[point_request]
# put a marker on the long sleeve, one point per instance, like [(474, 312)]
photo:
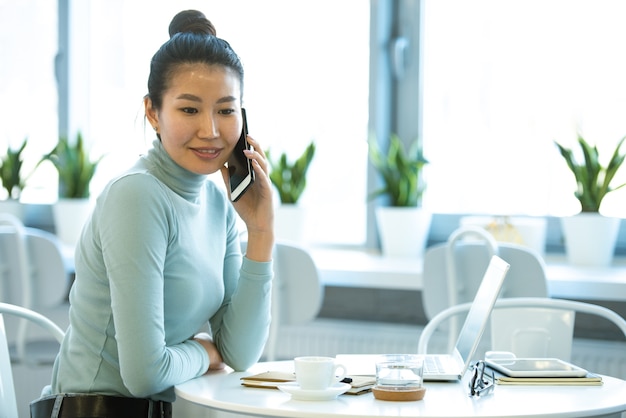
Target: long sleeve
[(239, 331)]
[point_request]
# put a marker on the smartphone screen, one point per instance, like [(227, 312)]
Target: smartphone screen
[(240, 172)]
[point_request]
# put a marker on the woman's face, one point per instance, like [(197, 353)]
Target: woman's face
[(200, 118)]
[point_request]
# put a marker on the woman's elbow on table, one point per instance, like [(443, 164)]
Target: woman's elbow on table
[(240, 360)]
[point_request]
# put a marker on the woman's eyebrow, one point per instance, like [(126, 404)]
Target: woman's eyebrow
[(194, 98), (227, 99), (188, 96)]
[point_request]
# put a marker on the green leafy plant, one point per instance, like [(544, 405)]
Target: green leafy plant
[(290, 178), (400, 171), (75, 167), (593, 180), (11, 171)]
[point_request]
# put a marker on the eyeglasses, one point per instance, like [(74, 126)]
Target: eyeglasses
[(480, 384)]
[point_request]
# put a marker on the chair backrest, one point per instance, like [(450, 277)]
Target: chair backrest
[(518, 330), (36, 258), (533, 331), (297, 279), (453, 270), (15, 283), (297, 291), (8, 403), (33, 274)]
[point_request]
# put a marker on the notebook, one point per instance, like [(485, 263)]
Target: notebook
[(451, 366)]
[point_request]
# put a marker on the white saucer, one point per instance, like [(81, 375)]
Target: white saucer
[(314, 395)]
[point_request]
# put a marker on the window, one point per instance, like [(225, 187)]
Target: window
[(28, 109), (502, 80), (306, 79)]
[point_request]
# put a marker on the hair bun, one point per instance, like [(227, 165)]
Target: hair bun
[(191, 21)]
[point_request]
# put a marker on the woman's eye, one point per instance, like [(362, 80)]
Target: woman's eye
[(227, 111), (189, 110)]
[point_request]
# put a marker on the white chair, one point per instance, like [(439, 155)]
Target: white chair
[(453, 271), (8, 403), (517, 333), (534, 331), (33, 275), (297, 292)]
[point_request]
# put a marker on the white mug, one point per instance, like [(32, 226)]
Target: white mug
[(318, 373)]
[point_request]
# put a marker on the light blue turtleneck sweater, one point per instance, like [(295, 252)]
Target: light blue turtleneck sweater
[(159, 258)]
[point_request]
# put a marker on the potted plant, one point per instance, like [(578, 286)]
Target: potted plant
[(593, 182), (403, 224), (13, 180), (289, 179), (76, 169)]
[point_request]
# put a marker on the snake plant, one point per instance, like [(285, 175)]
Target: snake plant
[(289, 178), (11, 171), (400, 171), (593, 180), (75, 167)]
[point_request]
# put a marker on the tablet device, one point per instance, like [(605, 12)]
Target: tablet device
[(536, 367)]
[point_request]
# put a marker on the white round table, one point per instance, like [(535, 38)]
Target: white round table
[(223, 391)]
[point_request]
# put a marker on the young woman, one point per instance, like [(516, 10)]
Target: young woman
[(160, 257)]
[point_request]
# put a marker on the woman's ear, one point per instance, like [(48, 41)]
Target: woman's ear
[(151, 113)]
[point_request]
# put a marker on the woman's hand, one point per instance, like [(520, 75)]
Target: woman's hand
[(255, 206), (215, 358)]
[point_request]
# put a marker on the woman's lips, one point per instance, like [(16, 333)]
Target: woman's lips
[(207, 153)]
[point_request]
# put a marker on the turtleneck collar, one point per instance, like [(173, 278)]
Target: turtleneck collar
[(182, 181)]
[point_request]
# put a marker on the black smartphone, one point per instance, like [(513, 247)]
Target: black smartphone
[(241, 175)]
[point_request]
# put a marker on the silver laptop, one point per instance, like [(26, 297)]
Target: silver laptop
[(454, 365)]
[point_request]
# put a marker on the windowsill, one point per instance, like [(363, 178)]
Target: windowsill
[(369, 269)]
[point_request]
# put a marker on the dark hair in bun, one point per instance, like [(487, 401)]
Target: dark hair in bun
[(192, 40), (191, 21)]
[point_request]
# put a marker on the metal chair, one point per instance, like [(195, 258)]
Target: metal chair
[(453, 271), (34, 275), (8, 402), (553, 336), (297, 292)]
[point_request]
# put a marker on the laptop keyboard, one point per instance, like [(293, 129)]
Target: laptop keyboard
[(433, 365)]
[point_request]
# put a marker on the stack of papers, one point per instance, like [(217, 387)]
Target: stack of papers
[(540, 371), (271, 380)]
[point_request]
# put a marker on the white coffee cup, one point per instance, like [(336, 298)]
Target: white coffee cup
[(318, 373)]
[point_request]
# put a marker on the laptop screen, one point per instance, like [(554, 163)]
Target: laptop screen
[(485, 298)]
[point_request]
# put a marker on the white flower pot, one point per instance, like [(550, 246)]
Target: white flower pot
[(70, 215), (403, 231), (290, 223), (590, 239), (12, 207)]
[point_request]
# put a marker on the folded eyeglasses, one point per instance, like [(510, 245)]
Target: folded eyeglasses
[(481, 383)]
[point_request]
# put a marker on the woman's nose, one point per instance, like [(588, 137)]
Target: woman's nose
[(208, 128)]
